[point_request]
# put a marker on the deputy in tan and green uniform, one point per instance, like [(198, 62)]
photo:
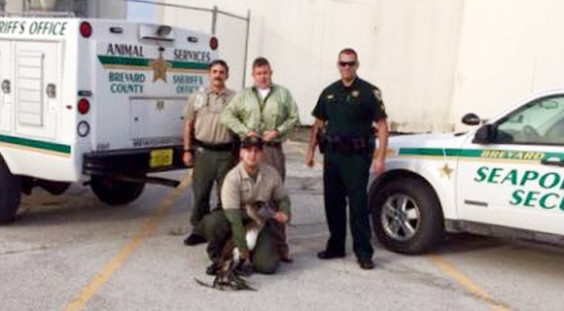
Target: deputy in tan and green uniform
[(208, 144), (248, 183), (268, 111)]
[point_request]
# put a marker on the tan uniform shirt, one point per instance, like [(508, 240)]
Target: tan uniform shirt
[(240, 189), (205, 108)]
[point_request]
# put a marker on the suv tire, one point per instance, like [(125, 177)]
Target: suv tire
[(406, 215)]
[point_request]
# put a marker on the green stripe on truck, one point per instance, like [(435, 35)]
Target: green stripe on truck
[(145, 62), (35, 144)]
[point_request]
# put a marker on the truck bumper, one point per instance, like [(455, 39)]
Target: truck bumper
[(133, 162)]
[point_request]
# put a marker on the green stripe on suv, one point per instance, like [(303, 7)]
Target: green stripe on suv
[(471, 153), (35, 144), (481, 153)]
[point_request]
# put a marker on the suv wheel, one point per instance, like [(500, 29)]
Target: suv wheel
[(406, 215)]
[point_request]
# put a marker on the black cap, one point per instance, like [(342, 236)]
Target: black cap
[(251, 141)]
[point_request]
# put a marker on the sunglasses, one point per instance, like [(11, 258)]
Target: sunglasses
[(345, 64)]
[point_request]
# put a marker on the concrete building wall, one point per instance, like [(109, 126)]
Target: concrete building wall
[(509, 49), (433, 59), (107, 9), (407, 48), (90, 8), (13, 5)]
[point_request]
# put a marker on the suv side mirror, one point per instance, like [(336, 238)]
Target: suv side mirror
[(471, 119), (484, 135)]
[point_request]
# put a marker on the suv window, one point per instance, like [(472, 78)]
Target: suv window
[(539, 122)]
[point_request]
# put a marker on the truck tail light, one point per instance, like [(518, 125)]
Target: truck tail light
[(83, 106), (214, 43), (85, 29)]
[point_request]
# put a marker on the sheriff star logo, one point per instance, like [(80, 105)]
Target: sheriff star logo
[(355, 93), (446, 171), (160, 66)]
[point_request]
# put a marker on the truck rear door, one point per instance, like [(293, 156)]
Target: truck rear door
[(144, 74), (36, 79)]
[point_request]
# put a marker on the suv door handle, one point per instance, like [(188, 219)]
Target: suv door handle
[(553, 162)]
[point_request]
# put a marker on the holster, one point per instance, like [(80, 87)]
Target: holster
[(322, 141)]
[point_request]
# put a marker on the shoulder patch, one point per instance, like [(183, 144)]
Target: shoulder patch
[(200, 100), (330, 96), (378, 94)]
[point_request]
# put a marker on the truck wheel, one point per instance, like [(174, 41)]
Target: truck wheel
[(406, 215), (10, 193), (115, 192)]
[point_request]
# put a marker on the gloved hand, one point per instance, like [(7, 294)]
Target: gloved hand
[(281, 217), (266, 212), (245, 255)]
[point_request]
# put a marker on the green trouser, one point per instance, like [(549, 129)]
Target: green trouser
[(274, 156), (209, 166), (217, 230), (346, 176)]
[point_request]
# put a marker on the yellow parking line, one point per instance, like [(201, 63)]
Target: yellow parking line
[(459, 277), (467, 283), (103, 275)]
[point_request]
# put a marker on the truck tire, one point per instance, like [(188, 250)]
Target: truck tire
[(115, 192), (406, 215), (10, 193)]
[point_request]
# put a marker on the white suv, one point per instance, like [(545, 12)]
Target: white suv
[(506, 178)]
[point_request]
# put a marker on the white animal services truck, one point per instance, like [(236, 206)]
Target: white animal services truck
[(94, 101)]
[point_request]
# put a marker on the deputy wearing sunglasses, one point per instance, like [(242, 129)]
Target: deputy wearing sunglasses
[(346, 114)]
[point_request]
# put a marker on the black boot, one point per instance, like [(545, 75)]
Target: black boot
[(194, 239)]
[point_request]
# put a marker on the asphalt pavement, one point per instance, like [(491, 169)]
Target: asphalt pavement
[(72, 252)]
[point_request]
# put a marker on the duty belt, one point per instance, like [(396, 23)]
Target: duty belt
[(348, 145), (214, 147)]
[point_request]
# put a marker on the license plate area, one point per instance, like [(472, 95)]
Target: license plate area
[(160, 158)]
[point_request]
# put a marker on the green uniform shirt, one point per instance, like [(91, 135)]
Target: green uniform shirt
[(247, 112), (350, 110)]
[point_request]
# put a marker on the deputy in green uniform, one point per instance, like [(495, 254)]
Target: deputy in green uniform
[(248, 183), (265, 110), (208, 144), (346, 112)]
